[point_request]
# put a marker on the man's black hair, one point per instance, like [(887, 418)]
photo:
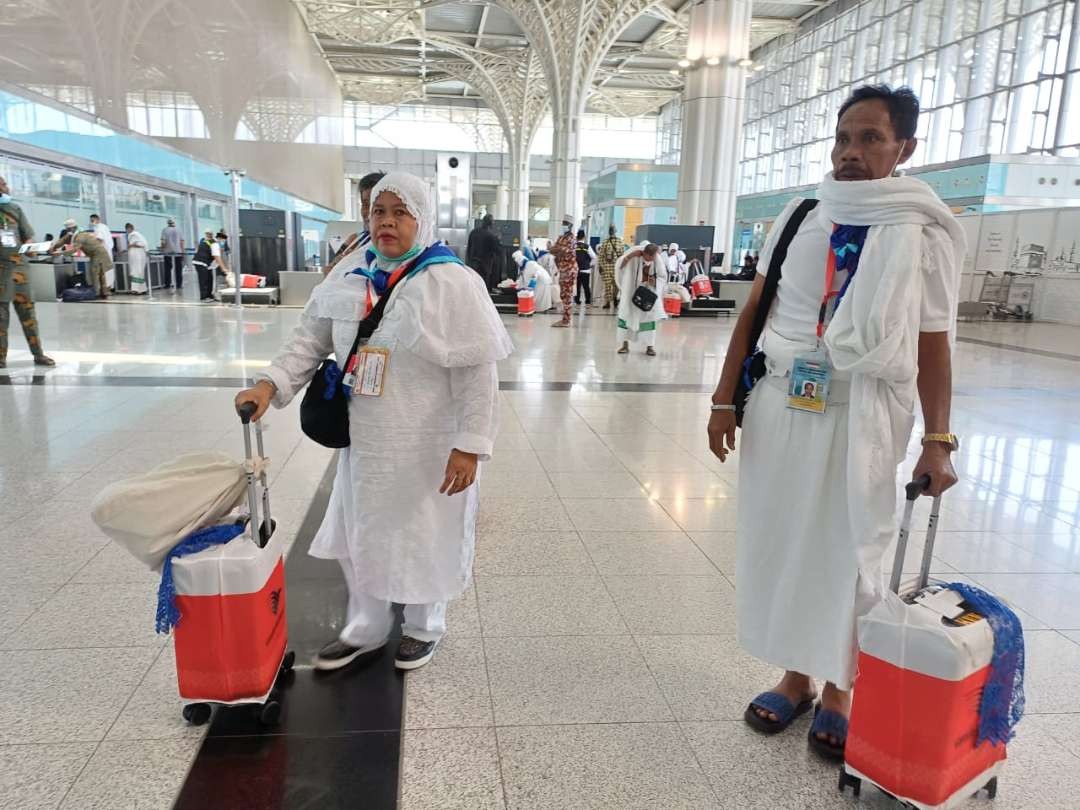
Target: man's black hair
[(128, 225), (487, 221), (368, 181), (581, 233), (610, 230), (902, 102)]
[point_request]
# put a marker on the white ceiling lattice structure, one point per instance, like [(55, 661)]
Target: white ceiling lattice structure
[(641, 43)]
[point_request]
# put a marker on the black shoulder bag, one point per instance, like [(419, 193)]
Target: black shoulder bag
[(753, 367), (324, 411), (644, 297)]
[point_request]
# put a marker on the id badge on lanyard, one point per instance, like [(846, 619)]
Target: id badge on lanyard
[(8, 238), (811, 373), (365, 370), (365, 373)]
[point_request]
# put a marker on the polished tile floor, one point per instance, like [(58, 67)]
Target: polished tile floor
[(593, 665)]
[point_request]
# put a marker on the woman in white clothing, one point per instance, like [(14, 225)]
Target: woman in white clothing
[(416, 439)]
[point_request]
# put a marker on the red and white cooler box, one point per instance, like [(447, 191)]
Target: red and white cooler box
[(701, 284), (914, 721), (231, 638), (526, 303), (915, 710), (673, 304)]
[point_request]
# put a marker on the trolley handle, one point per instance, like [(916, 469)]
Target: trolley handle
[(913, 489), (246, 411)]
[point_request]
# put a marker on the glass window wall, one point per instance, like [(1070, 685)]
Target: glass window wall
[(993, 76), (213, 215), (49, 194), (147, 208)]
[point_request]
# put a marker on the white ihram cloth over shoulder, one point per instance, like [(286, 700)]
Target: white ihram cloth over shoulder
[(628, 271), (806, 572), (403, 540)]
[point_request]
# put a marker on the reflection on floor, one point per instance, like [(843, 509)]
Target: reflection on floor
[(593, 664)]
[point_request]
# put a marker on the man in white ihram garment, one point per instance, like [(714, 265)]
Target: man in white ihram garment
[(402, 518), (138, 259), (865, 310), (642, 266)]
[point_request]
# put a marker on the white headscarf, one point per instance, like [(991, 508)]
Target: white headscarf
[(416, 194)]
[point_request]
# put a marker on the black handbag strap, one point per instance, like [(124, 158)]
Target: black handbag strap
[(776, 261)]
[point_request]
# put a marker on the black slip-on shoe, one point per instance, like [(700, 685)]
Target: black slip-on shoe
[(338, 654), (413, 653)]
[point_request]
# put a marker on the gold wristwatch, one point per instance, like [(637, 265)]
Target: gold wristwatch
[(951, 440)]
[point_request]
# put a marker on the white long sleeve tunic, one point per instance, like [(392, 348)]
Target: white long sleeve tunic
[(405, 541)]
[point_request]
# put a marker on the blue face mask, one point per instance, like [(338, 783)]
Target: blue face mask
[(5, 198)]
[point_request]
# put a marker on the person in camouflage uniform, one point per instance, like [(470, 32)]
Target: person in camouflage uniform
[(609, 252), (100, 260), (15, 231), (566, 261)]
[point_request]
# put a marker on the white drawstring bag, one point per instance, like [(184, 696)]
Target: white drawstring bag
[(150, 513)]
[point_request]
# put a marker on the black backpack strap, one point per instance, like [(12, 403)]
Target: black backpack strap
[(776, 262)]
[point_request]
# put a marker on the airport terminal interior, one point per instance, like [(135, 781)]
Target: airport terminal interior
[(188, 188)]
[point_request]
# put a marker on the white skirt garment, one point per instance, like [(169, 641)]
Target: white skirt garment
[(796, 573)]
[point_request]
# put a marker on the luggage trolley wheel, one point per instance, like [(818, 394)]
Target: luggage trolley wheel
[(285, 673), (270, 712), (196, 713), (847, 779), (991, 788)]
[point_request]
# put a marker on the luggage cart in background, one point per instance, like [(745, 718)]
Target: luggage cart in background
[(1009, 295)]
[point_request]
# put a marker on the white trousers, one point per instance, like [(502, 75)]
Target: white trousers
[(369, 620), (645, 338)]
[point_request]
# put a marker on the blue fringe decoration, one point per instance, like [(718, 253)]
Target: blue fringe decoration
[(332, 376), (168, 615), (1002, 703), (847, 242)]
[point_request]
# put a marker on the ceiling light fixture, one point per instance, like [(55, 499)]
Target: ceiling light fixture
[(758, 67), (684, 63), (674, 71), (713, 61), (746, 63)]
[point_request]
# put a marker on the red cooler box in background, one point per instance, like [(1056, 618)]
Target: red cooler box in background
[(673, 304), (923, 662), (526, 303)]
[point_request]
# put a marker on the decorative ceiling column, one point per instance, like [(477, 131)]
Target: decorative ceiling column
[(513, 86), (716, 61), (571, 37)]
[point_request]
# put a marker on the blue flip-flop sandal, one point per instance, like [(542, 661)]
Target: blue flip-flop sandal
[(774, 702), (832, 724)]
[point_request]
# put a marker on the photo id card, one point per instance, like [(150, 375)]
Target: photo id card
[(810, 377), (8, 238), (371, 371)]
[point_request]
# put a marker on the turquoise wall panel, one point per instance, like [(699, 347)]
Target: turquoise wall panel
[(646, 185), (35, 124)]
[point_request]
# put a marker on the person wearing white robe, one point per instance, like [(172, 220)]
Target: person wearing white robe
[(547, 261), (403, 527), (642, 266), (806, 572), (529, 271), (138, 258)]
